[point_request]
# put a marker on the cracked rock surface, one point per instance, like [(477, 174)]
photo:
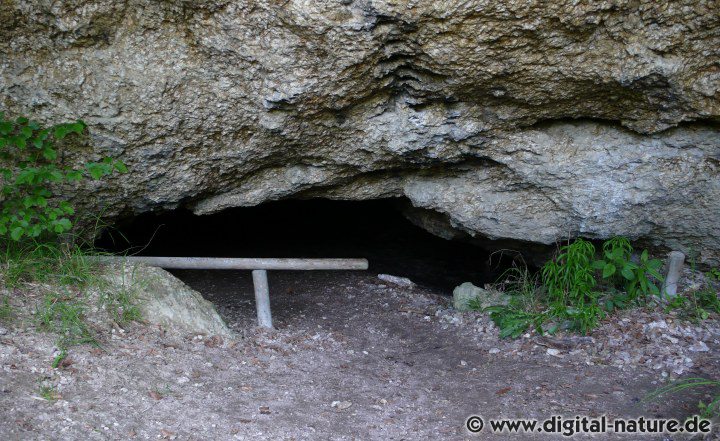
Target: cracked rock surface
[(515, 120)]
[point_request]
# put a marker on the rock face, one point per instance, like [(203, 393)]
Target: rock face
[(522, 120)]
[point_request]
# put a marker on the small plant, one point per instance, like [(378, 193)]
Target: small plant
[(64, 315), (6, 312), (121, 300), (570, 283), (635, 279), (48, 393), (59, 358), (695, 306), (707, 410), (714, 274), (30, 169), (524, 309), (122, 304), (615, 264)]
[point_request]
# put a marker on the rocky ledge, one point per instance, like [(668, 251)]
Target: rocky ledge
[(512, 120)]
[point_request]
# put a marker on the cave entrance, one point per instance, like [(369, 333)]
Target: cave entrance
[(375, 230)]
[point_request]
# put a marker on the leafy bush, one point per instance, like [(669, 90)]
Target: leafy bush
[(568, 294), (570, 283), (30, 168), (634, 278)]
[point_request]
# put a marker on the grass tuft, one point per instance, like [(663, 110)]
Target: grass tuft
[(48, 393)]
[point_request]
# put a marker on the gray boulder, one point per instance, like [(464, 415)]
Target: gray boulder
[(467, 292), (165, 300)]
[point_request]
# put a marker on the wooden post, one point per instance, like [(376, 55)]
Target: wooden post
[(262, 298), (675, 264)]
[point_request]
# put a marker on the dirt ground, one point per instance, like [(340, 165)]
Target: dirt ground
[(352, 358)]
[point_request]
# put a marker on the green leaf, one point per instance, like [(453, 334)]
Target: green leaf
[(17, 233), (65, 223), (96, 172), (655, 274), (627, 272), (121, 167), (598, 264), (5, 128), (654, 289), (49, 154), (73, 175), (60, 131), (78, 127), (22, 120), (66, 207), (608, 271), (644, 256), (55, 176), (26, 132), (654, 264)]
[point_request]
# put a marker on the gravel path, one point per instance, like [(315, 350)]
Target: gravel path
[(353, 357)]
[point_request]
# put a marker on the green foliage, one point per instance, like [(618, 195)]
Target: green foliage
[(570, 283), (707, 410), (714, 274), (568, 294), (64, 315), (514, 322), (569, 278), (50, 262), (635, 279), (122, 304), (59, 358), (48, 393), (6, 312), (30, 167), (615, 264), (524, 309), (695, 306)]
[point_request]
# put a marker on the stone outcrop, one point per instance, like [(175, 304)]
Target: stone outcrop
[(530, 121), (166, 301)]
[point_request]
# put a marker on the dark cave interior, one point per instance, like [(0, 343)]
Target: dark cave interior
[(318, 228)]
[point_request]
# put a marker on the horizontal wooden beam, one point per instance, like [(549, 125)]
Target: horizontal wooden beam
[(233, 263)]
